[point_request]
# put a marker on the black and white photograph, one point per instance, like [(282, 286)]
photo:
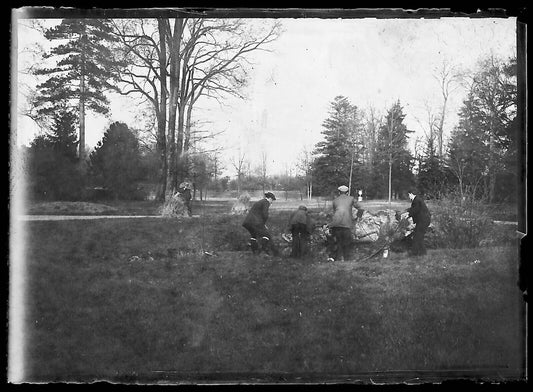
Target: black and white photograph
[(267, 196)]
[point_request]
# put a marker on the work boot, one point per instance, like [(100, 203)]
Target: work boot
[(264, 244), (254, 245)]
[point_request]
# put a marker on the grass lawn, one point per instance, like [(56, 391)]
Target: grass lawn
[(138, 301)]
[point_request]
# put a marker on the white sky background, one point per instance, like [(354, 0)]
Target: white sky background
[(373, 62)]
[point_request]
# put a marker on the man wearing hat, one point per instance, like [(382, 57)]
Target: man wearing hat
[(341, 224), (185, 193), (255, 223)]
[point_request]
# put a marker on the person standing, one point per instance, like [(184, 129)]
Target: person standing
[(185, 194), (301, 227), (255, 223), (421, 216), (341, 224)]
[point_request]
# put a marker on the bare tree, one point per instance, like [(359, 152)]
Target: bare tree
[(448, 77), (239, 163), (173, 62), (263, 169), (33, 53), (305, 165), (373, 121)]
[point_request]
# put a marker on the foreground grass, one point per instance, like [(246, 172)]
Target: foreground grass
[(134, 301)]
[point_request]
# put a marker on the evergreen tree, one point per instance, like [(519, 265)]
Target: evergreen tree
[(493, 102), (115, 163), (431, 179), (54, 172), (63, 138), (82, 73), (468, 150), (338, 151), (392, 158), (482, 151)]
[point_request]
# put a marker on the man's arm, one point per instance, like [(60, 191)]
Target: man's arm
[(415, 208), (357, 206), (264, 211)]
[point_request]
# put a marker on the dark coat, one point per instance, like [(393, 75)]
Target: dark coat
[(258, 214), (419, 211), (185, 194), (301, 217)]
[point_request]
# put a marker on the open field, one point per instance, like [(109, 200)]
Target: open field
[(138, 301)]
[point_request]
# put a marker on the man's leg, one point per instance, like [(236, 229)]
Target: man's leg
[(304, 243), (346, 241), (422, 246), (266, 242), (300, 231), (254, 243), (416, 241), (295, 242), (339, 241), (347, 236)]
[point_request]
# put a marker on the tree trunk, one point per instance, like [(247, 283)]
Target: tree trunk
[(174, 42), (161, 113), (82, 110), (441, 123)]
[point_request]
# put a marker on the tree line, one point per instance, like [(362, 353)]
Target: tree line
[(479, 160), (172, 62)]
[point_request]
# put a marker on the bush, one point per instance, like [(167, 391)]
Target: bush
[(53, 175), (115, 163), (460, 225)]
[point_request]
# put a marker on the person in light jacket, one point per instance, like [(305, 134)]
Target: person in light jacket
[(342, 223), (255, 223), (421, 216)]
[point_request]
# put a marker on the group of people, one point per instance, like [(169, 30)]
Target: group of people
[(301, 225)]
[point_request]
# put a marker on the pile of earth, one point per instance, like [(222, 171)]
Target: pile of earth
[(383, 227)]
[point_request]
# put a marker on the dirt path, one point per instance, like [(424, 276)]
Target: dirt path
[(80, 217)]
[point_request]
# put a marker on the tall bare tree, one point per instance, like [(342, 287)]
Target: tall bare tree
[(263, 169), (448, 77), (174, 62), (305, 165), (239, 163)]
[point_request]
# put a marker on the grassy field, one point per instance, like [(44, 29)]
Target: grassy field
[(212, 205), (138, 301)]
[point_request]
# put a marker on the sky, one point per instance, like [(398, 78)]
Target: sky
[(372, 62)]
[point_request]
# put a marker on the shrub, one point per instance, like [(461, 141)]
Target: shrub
[(53, 167), (115, 163), (460, 225), (174, 207)]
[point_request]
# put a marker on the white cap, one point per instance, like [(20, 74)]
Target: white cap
[(343, 188)]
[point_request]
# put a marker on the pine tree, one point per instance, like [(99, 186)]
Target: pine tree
[(115, 162), (54, 172), (468, 150), (82, 73), (431, 179), (332, 167), (393, 159)]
